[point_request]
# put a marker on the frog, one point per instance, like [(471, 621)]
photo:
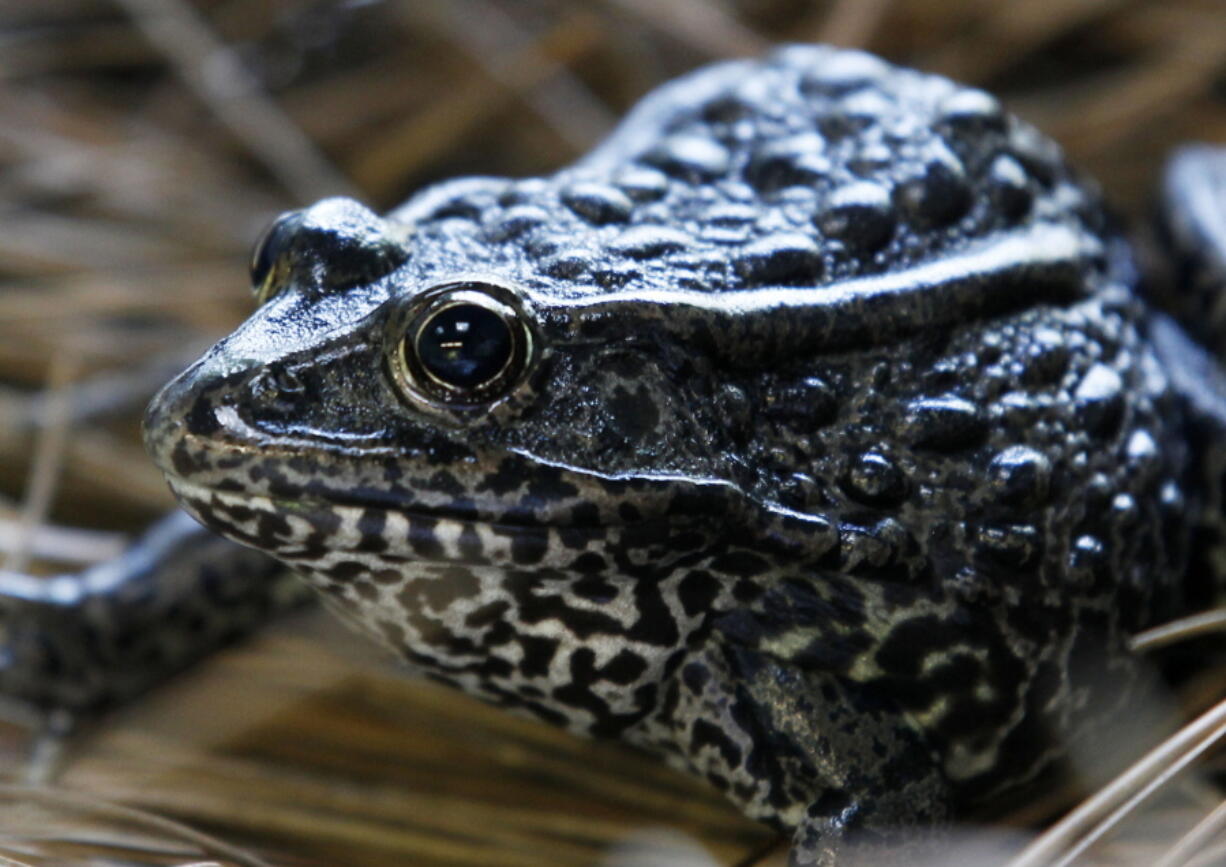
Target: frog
[(820, 431)]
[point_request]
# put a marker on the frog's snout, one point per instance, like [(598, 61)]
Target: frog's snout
[(192, 416), (166, 419)]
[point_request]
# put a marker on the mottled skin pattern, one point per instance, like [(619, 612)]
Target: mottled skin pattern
[(84, 642), (836, 463)]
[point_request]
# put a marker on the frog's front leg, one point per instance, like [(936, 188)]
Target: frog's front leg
[(816, 754), (82, 642), (876, 778)]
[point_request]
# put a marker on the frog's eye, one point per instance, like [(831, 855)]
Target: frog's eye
[(267, 250), (464, 345)]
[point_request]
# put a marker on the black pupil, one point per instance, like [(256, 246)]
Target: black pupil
[(465, 345)]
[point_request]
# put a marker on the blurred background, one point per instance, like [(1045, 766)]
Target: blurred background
[(144, 144)]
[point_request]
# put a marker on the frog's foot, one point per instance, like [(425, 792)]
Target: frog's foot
[(79, 643), (823, 841), (818, 841)]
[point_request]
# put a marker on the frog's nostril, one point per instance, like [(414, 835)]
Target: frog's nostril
[(288, 382), (269, 384)]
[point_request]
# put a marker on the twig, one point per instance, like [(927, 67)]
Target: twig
[(99, 396), (701, 25), (502, 47), (1195, 840), (217, 76), (45, 468), (410, 146), (852, 23), (67, 544), (1010, 31), (1183, 629), (1083, 827), (61, 799)]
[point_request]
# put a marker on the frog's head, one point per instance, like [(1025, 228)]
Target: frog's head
[(533, 433), (492, 471), (399, 367)]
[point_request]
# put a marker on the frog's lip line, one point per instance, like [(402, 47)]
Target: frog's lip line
[(733, 493), (347, 537), (190, 492), (307, 504)]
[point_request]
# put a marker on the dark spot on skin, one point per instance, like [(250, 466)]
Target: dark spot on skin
[(624, 668), (547, 486), (642, 184), (874, 479), (704, 734), (371, 526), (837, 125), (185, 463), (690, 158), (1009, 188), (346, 570), (649, 242), (615, 277), (633, 415), (469, 546), (806, 403), (517, 221), (860, 215), (458, 208), (937, 198), (697, 592), (423, 540), (589, 563), (1020, 476), (695, 676), (794, 161), (446, 588), (595, 589), (568, 266), (202, 418), (945, 423), (487, 615), (507, 477), (726, 108), (529, 545), (628, 512), (597, 203), (742, 563), (538, 654), (1100, 400), (789, 258), (971, 111), (1011, 545)]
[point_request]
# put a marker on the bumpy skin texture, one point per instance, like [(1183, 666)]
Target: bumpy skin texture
[(839, 471)]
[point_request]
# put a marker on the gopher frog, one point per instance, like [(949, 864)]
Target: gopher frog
[(811, 432)]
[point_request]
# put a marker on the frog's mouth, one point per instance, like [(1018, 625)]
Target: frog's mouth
[(310, 528)]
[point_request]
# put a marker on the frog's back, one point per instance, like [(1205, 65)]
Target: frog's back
[(810, 168)]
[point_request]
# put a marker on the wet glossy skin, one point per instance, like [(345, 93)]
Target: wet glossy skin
[(810, 435)]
